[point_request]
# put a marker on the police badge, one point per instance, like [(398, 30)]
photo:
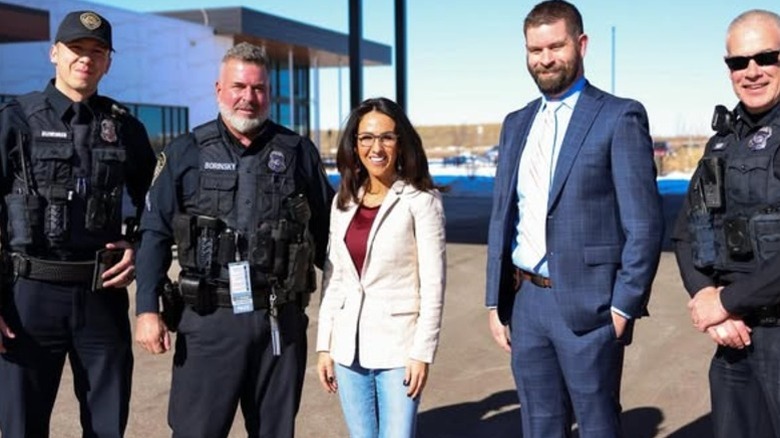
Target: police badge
[(759, 139), (276, 162), (90, 20), (108, 130)]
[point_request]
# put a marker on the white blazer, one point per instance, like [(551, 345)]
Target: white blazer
[(394, 309)]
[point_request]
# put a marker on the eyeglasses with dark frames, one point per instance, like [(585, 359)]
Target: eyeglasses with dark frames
[(763, 59), (387, 139)]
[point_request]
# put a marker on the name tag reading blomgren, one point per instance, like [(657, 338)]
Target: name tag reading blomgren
[(240, 287)]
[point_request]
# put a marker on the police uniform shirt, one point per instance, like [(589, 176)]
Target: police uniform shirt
[(175, 186), (744, 291), (139, 164)]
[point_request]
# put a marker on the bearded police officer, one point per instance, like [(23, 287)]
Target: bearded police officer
[(66, 157), (728, 236), (247, 204)]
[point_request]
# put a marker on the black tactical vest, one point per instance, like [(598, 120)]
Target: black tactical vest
[(741, 227), (51, 213), (258, 215)]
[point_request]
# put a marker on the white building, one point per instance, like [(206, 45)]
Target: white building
[(166, 64)]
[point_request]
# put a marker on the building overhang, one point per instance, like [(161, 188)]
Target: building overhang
[(280, 35), (19, 24)]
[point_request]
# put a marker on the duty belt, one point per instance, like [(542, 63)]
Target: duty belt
[(767, 316), (52, 270), (219, 296)]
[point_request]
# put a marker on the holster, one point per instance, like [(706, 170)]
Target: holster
[(703, 244), (172, 304), (712, 181), (57, 215), (196, 293)]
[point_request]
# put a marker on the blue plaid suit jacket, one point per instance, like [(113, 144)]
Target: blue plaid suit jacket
[(604, 224)]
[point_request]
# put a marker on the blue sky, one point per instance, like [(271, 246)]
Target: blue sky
[(466, 59)]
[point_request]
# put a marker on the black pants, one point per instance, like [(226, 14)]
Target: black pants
[(745, 388), (52, 321), (223, 360)]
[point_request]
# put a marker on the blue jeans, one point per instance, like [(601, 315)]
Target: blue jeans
[(375, 403)]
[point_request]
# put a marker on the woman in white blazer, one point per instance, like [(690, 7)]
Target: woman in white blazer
[(384, 281)]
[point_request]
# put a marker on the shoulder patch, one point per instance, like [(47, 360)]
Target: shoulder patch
[(161, 160), (118, 110)]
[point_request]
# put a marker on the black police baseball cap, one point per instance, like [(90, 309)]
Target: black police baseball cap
[(84, 24)]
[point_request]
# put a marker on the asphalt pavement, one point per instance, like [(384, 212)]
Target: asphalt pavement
[(470, 392)]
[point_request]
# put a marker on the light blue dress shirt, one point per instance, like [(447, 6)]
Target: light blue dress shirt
[(563, 116)]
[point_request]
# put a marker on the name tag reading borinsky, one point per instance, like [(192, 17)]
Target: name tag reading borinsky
[(54, 134), (240, 287)]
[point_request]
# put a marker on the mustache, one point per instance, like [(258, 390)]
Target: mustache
[(245, 107), (553, 69)]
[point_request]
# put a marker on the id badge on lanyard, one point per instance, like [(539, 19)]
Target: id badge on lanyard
[(240, 287)]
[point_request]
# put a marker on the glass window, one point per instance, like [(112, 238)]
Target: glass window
[(274, 113), (280, 95), (273, 74), (302, 83), (283, 90), (152, 118), (163, 123), (302, 118), (284, 115)]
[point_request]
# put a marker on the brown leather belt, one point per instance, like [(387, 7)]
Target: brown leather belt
[(522, 275)]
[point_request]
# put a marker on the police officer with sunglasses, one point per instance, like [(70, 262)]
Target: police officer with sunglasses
[(728, 236)]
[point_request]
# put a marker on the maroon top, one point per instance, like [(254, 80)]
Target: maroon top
[(357, 235)]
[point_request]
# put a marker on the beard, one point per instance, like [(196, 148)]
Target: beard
[(242, 124), (558, 78)]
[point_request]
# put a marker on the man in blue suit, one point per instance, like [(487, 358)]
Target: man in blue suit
[(575, 235)]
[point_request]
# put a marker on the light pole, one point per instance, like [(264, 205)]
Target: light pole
[(613, 60), (355, 55)]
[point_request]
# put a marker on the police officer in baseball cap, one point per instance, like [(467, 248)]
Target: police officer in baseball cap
[(68, 156), (84, 24)]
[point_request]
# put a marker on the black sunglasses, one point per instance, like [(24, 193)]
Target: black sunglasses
[(736, 63)]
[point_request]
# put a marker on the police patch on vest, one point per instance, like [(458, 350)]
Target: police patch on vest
[(108, 130), (276, 162), (161, 159), (759, 139)]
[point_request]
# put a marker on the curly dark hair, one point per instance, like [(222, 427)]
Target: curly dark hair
[(411, 165)]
